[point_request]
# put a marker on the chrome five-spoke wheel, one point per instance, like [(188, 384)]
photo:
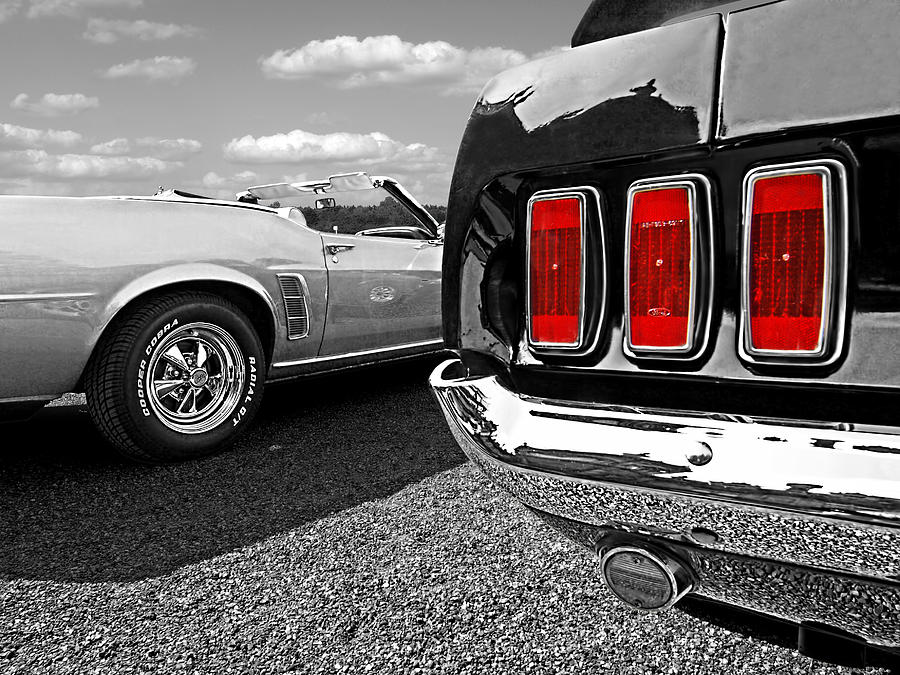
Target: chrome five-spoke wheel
[(179, 377), (194, 378)]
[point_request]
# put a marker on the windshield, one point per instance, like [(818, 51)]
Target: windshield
[(350, 212)]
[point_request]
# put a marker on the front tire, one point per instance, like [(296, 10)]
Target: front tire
[(179, 378)]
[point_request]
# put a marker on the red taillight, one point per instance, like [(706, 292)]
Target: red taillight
[(660, 258), (556, 271), (788, 271)]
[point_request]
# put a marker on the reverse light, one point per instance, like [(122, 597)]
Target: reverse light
[(556, 271), (661, 284), (792, 243)]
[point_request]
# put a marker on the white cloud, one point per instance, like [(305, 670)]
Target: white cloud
[(55, 105), (169, 148), (8, 9), (422, 168), (40, 163), (33, 158), (116, 146), (303, 146), (386, 59), (40, 8), (225, 187), (161, 148), (108, 31), (241, 180), (12, 135), (154, 69), (38, 185), (553, 51)]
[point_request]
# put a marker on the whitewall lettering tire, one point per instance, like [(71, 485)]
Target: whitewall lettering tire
[(178, 378)]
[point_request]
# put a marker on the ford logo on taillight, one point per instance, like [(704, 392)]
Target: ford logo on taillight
[(660, 264)]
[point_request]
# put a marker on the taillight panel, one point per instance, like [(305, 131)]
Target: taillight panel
[(564, 282), (668, 267), (794, 263), (792, 253)]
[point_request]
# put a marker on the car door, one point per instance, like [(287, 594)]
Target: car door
[(383, 292)]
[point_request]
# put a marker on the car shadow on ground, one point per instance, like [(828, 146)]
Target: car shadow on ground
[(71, 510)]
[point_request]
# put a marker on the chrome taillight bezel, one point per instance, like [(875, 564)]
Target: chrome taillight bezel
[(702, 267), (835, 215), (589, 201)]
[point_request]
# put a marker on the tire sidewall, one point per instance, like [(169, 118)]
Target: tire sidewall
[(172, 444)]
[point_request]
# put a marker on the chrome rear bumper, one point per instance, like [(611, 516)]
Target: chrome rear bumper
[(821, 501)]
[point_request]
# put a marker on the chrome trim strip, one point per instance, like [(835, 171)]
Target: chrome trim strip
[(690, 350), (30, 399), (351, 355), (41, 297), (834, 295), (581, 194)]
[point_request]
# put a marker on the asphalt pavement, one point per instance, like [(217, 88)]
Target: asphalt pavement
[(344, 534)]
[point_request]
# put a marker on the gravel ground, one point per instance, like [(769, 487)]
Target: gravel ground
[(345, 534)]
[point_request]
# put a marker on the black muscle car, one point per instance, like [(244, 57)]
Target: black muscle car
[(672, 280)]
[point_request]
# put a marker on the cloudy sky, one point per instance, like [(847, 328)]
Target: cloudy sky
[(120, 96)]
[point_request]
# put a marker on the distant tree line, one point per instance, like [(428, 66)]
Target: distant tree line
[(352, 219)]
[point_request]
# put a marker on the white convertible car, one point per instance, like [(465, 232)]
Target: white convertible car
[(171, 312)]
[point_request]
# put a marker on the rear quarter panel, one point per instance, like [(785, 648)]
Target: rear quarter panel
[(68, 265), (625, 96)]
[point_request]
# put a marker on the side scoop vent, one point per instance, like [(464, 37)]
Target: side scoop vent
[(295, 294)]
